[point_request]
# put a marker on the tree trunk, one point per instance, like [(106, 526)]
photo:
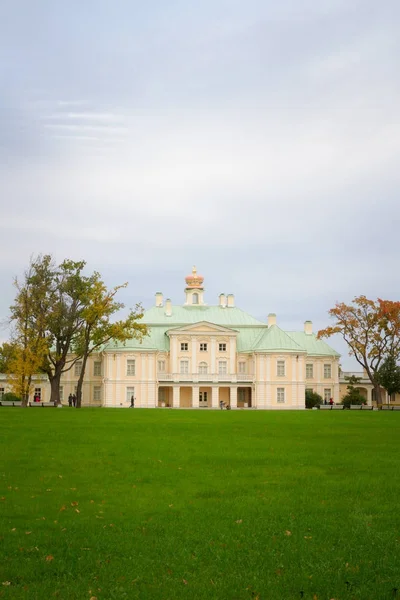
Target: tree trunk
[(80, 382), (55, 387), (378, 394)]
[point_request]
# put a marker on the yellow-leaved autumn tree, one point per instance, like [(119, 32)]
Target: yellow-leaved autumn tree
[(97, 327), (371, 328)]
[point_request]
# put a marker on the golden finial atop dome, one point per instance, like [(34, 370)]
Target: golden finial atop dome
[(194, 280)]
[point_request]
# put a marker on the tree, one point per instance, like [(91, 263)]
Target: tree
[(60, 316), (372, 331), (354, 395), (388, 376), (51, 319), (97, 328), (313, 399), (23, 356)]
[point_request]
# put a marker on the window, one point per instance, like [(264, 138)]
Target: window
[(280, 395), (130, 393), (61, 392), (327, 394), (78, 368), (97, 368), (327, 371), (38, 393), (309, 371), (195, 298), (97, 393), (203, 396), (242, 367), (222, 347), (280, 368), (184, 346), (203, 368), (161, 366), (203, 347), (222, 367), (241, 395), (184, 367), (2, 392), (131, 366)]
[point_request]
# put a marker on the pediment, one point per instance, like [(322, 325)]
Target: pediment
[(203, 327)]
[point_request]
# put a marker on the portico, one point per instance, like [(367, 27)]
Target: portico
[(204, 396)]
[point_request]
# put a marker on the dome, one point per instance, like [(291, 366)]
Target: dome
[(194, 280)]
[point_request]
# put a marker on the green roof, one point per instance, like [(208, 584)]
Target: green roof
[(185, 315), (253, 335), (312, 344), (274, 338)]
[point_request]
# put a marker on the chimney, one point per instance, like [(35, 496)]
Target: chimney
[(308, 327), (159, 299), (271, 319), (222, 300), (231, 300), (168, 308)]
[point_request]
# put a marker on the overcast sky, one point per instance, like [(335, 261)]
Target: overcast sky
[(259, 140)]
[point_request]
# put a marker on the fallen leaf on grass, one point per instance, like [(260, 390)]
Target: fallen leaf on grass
[(63, 508), (77, 510), (287, 532), (13, 529), (74, 503), (308, 537), (49, 558), (6, 582), (92, 502), (184, 581), (239, 521), (48, 490), (93, 598), (3, 498), (60, 476), (28, 532)]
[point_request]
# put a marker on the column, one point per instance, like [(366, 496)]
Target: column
[(213, 367), (214, 397), (118, 399), (174, 354), (151, 378), (195, 396), (369, 396), (193, 362), (233, 396), (143, 386), (176, 396), (232, 356)]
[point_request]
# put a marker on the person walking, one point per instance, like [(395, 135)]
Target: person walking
[(70, 400), (132, 402), (74, 400)]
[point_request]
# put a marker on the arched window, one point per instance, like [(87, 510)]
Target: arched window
[(203, 368), (195, 298)]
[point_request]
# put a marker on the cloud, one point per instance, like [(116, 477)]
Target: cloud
[(259, 142)]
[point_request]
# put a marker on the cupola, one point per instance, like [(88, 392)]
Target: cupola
[(194, 288)]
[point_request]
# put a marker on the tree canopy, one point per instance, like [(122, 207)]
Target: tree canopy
[(372, 331), (388, 376), (61, 315)]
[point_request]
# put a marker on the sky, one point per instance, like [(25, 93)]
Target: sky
[(258, 140)]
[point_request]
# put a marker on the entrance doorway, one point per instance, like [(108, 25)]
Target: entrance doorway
[(203, 399)]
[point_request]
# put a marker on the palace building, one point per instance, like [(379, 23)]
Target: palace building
[(198, 355)]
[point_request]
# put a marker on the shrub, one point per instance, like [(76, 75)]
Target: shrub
[(10, 397), (353, 396), (313, 399)]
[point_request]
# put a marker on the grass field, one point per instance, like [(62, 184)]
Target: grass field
[(166, 504)]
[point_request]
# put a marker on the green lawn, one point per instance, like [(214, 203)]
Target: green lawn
[(164, 504)]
